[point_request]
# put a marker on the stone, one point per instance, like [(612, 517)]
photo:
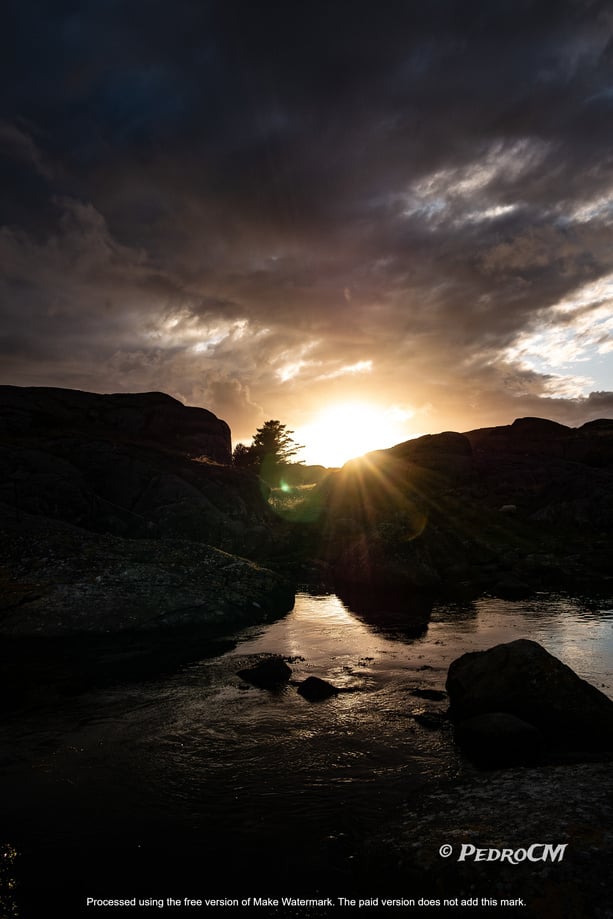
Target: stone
[(521, 678), (498, 739), (59, 580), (268, 674), (433, 721), (154, 417), (130, 464), (435, 695), (315, 689)]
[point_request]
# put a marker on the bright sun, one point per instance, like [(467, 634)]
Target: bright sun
[(345, 430)]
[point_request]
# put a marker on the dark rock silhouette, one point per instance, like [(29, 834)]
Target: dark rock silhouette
[(152, 417), (134, 465), (434, 695), (267, 674), (433, 721), (315, 689), (58, 579), (113, 509), (505, 510), (498, 739), (522, 679)]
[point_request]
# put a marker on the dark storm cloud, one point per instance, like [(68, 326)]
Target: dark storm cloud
[(253, 204)]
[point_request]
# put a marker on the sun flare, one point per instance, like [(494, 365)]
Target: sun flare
[(343, 431)]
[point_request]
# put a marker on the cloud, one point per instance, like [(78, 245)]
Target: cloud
[(262, 207), (17, 144)]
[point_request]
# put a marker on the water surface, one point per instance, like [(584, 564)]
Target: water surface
[(175, 777)]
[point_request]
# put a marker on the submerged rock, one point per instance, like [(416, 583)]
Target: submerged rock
[(434, 695), (522, 679), (434, 721), (315, 689), (268, 674)]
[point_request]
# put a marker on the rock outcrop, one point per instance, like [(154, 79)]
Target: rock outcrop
[(113, 512), (521, 679), (153, 417), (59, 580), (132, 465), (505, 510)]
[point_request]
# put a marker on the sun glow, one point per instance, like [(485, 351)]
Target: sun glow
[(342, 431)]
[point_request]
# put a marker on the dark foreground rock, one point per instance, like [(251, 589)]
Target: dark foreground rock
[(315, 689), (499, 739), (267, 674), (570, 805), (522, 679), (57, 579)]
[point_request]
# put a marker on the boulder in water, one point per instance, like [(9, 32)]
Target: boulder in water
[(314, 689), (499, 739), (268, 674), (521, 678)]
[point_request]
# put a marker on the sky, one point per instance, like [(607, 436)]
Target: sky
[(367, 220)]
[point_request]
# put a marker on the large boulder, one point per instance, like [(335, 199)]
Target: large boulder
[(130, 464), (153, 417), (522, 679), (60, 580), (499, 739)]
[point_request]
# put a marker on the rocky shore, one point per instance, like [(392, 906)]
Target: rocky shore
[(504, 510), (133, 493), (121, 514), (58, 579), (569, 805), (127, 538)]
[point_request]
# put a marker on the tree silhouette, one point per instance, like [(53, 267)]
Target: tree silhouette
[(243, 456), (273, 446)]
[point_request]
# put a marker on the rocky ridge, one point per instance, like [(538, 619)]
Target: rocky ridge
[(504, 510), (121, 512)]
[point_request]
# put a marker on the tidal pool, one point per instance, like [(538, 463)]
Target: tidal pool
[(196, 784)]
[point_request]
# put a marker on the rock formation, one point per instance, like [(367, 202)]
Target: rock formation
[(521, 679), (113, 512), (134, 465), (269, 673), (504, 510), (152, 417)]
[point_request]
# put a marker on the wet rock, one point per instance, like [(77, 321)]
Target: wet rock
[(314, 689), (522, 679), (434, 721), (435, 695), (268, 674), (498, 739)]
